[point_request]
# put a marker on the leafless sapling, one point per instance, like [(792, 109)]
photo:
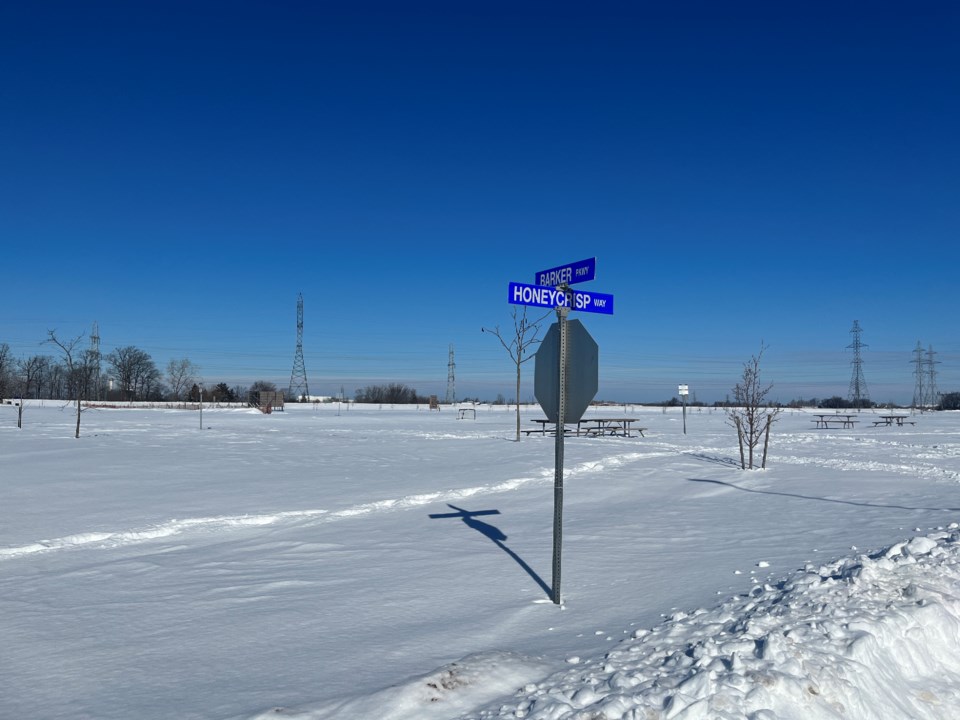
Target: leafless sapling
[(79, 368), (518, 344), (751, 413)]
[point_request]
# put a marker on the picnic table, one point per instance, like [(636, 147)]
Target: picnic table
[(829, 420), (590, 427), (890, 420)]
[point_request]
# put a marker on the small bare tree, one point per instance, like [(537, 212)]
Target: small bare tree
[(751, 413), (79, 368), (518, 344)]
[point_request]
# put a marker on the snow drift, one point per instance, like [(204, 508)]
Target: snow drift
[(870, 636)]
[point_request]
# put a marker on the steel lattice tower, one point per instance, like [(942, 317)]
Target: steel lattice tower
[(95, 360), (932, 393), (918, 390), (858, 386), (451, 384), (298, 389)]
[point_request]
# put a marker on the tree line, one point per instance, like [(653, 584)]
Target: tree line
[(124, 374), (392, 393)]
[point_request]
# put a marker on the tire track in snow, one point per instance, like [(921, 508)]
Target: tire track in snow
[(107, 540)]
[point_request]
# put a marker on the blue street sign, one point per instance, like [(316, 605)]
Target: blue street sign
[(548, 297), (581, 271)]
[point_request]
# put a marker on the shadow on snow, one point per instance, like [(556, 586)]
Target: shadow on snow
[(494, 534), (820, 499)]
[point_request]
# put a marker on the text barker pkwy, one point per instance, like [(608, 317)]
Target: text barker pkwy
[(580, 271)]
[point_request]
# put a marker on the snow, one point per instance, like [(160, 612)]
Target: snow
[(287, 565)]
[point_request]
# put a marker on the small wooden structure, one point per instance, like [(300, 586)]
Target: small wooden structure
[(266, 401), (434, 403)]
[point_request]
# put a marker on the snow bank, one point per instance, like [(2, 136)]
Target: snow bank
[(871, 636), (444, 693), (866, 637)]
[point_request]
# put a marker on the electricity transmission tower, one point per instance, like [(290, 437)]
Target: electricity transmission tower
[(932, 395), (925, 393), (918, 371), (858, 386), (298, 389), (451, 385), (95, 360)]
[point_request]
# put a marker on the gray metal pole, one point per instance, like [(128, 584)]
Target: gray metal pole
[(562, 313)]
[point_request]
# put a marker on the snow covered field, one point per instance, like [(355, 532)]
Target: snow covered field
[(286, 565)]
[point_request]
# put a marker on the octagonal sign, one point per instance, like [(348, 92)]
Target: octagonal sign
[(582, 372)]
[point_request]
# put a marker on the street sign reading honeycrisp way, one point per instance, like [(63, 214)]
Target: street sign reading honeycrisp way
[(551, 297), (566, 377)]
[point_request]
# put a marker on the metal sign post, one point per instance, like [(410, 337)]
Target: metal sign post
[(562, 313), (552, 289), (683, 396)]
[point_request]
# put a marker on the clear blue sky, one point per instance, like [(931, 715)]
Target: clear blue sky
[(178, 172)]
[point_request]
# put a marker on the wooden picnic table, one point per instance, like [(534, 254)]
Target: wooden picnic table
[(890, 420), (828, 420), (590, 427), (615, 426)]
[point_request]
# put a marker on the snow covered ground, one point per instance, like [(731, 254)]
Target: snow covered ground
[(287, 565)]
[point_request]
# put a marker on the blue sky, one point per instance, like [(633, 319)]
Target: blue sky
[(747, 173)]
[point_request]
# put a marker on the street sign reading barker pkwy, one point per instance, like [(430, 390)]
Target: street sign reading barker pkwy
[(580, 271), (548, 297)]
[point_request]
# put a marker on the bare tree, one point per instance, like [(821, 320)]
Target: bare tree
[(78, 366), (33, 371), (180, 375), (134, 371), (751, 413), (6, 370), (518, 344)]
